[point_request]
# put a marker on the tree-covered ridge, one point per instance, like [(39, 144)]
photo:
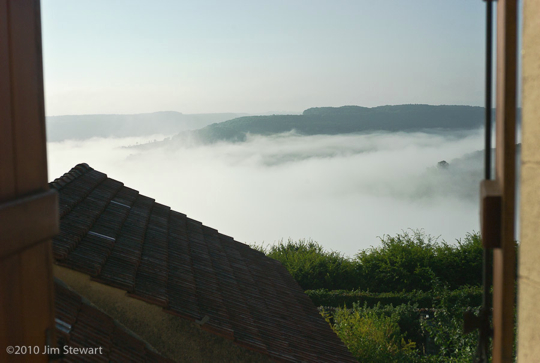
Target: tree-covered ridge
[(348, 119)]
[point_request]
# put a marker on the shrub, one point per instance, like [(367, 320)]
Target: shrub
[(413, 261), (371, 337), (409, 261), (337, 298), (428, 299), (401, 263), (408, 319), (460, 264), (313, 267), (445, 327)]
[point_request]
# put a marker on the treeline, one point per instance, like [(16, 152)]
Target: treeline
[(344, 120)]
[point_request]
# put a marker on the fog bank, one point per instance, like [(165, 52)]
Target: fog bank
[(342, 191)]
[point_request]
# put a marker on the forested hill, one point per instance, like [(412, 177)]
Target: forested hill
[(347, 119)]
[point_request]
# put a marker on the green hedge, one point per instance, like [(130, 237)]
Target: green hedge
[(408, 261), (374, 335), (470, 295), (413, 260), (313, 267), (441, 334)]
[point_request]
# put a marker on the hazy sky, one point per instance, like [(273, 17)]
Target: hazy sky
[(119, 56)]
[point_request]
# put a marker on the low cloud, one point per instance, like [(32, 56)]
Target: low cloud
[(343, 191)]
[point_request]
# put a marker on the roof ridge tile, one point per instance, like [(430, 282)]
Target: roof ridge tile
[(71, 175)]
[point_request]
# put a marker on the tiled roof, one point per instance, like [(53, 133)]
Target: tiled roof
[(126, 240), (80, 325)]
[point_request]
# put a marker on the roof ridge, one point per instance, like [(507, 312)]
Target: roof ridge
[(74, 173)]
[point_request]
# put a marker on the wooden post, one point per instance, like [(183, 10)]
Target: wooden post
[(529, 249), (28, 210), (504, 269)]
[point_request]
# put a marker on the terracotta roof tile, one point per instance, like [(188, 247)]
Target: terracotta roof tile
[(128, 241)]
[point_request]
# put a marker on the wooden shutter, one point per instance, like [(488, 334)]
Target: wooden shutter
[(504, 257), (28, 209)]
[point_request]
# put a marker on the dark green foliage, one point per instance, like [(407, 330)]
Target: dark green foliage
[(381, 298), (407, 317), (372, 335), (428, 299), (402, 301), (438, 330), (445, 327), (348, 119), (395, 302), (413, 261), (461, 264), (403, 262), (312, 267), (409, 261)]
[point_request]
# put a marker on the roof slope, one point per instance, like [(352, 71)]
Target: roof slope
[(127, 240), (80, 325)]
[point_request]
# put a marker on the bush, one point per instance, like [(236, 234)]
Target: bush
[(402, 263), (408, 261), (436, 333), (370, 336), (408, 319), (445, 327), (312, 267), (413, 261), (428, 299), (461, 264)]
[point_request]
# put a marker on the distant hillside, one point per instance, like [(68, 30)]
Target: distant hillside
[(82, 127), (344, 120), (460, 177)]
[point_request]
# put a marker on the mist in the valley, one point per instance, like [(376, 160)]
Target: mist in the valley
[(342, 191)]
